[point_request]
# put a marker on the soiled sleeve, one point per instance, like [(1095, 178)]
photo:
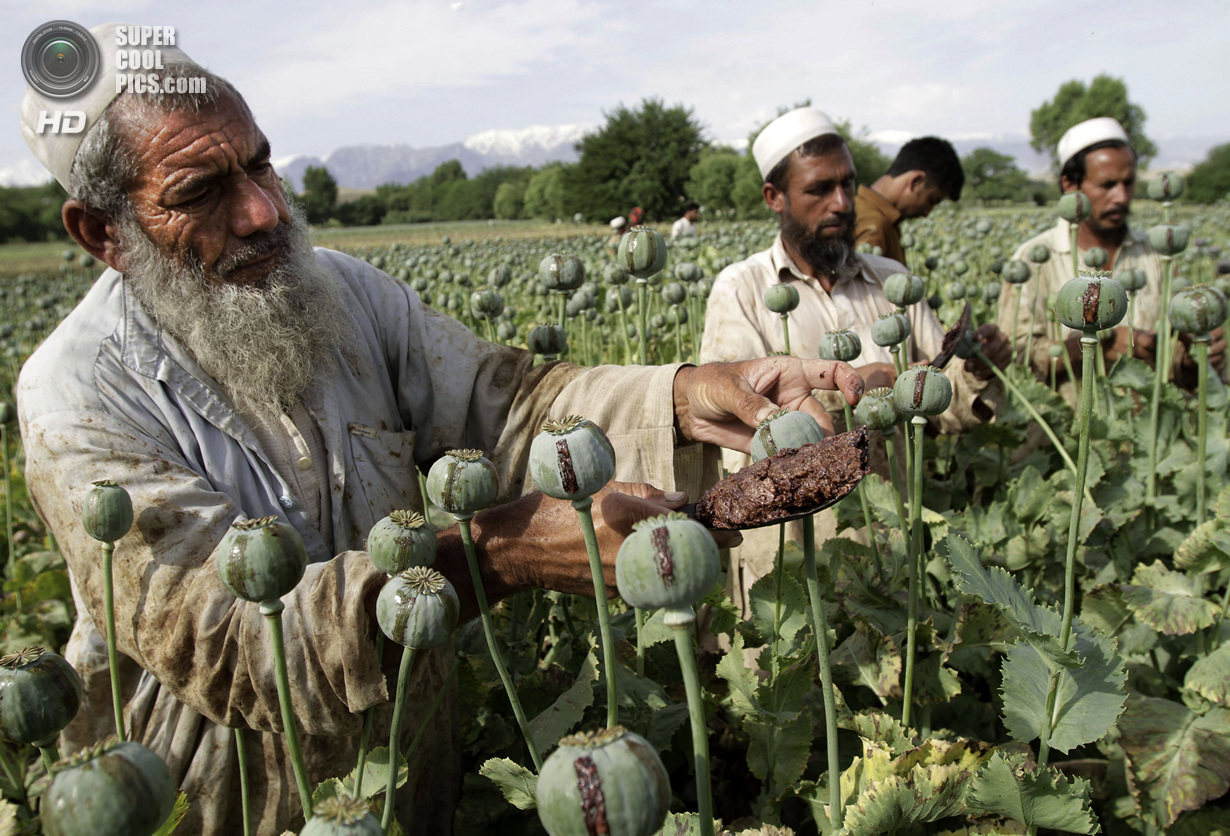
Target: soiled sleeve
[(173, 615)]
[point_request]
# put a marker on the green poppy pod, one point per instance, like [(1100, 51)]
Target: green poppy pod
[(1055, 351), (1166, 186), (959, 267), (499, 276), (673, 293), (781, 298), (107, 512), (997, 266), (642, 252), (843, 346), (1096, 258), (907, 241), (614, 274), (1197, 310), (782, 430), (1091, 303), (677, 315), (922, 391), (1017, 271), (561, 272), (1133, 279), (418, 608), (506, 331), (1039, 253), (1074, 207), (462, 482), (261, 560), (903, 289), (955, 290), (931, 262), (113, 789), (614, 295), (39, 695), (890, 329), (571, 458), (667, 561), (878, 410), (990, 293), (401, 540), (341, 815), (1169, 239), (547, 338), (688, 272), (486, 303), (609, 782), (1179, 283)]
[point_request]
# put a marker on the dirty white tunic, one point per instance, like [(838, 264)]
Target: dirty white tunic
[(740, 326), (110, 396), (1046, 279)]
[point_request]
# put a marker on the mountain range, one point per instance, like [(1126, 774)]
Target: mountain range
[(368, 166)]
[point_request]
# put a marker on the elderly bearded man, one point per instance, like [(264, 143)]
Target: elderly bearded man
[(809, 181), (223, 369), (1095, 158)]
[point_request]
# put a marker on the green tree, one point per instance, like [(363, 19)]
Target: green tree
[(990, 175), (1074, 102), (544, 194), (510, 199), (869, 161), (711, 182), (319, 197), (641, 157), (366, 210), (1210, 180)]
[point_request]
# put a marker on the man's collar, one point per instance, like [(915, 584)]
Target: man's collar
[(785, 267), (880, 202)]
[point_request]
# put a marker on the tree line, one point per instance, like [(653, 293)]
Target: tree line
[(657, 157)]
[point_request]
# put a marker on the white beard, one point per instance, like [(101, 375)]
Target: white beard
[(264, 343)]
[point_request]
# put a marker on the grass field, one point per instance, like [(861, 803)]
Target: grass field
[(19, 258)]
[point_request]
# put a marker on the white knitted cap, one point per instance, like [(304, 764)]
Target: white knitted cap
[(57, 150), (1090, 132), (786, 133)]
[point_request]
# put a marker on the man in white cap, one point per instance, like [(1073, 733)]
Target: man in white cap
[(222, 369), (1095, 158), (809, 180)]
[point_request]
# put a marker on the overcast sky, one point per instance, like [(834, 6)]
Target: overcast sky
[(320, 75)]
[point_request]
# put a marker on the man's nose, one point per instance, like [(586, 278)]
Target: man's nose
[(843, 201), (255, 210)]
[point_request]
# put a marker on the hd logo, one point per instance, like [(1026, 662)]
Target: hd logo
[(61, 121)]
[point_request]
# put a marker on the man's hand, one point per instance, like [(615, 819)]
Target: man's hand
[(1144, 344), (1187, 374), (722, 403), (877, 375), (995, 347), (536, 541)]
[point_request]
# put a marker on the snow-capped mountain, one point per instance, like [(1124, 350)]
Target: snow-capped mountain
[(368, 166)]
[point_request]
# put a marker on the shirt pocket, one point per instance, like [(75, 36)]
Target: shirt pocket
[(382, 448), (384, 465)]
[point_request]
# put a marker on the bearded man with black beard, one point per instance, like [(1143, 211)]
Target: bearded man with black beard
[(809, 183), (222, 369)]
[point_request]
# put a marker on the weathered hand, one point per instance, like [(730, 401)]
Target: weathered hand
[(722, 403), (536, 541), (995, 347)]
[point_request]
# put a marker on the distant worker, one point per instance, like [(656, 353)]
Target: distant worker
[(685, 227), (1095, 158), (925, 172), (618, 225)]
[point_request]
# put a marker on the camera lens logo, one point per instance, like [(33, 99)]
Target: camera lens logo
[(60, 59)]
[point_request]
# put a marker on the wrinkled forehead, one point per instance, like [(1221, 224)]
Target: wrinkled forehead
[(164, 140)]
